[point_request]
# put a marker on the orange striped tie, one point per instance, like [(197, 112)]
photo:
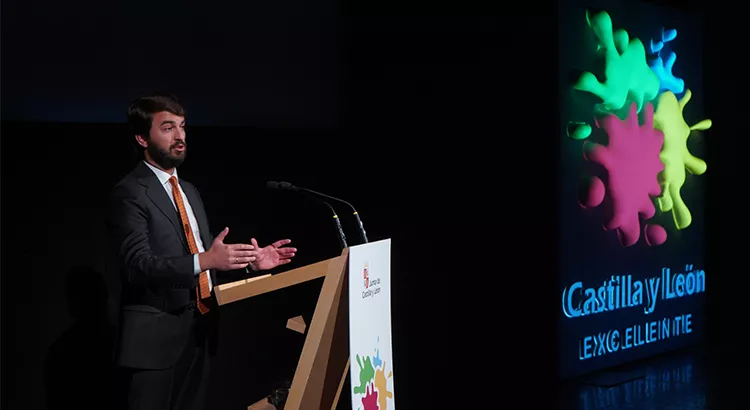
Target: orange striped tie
[(203, 291)]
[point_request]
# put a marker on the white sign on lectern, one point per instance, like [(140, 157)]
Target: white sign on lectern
[(370, 326)]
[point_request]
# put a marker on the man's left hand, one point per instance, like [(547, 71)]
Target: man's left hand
[(272, 255)]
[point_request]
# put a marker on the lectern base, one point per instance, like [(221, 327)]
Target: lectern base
[(262, 405), (319, 376)]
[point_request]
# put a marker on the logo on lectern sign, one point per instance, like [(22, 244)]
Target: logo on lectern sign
[(371, 354), (372, 287)]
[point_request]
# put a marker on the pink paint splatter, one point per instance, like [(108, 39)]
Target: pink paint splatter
[(591, 193), (655, 234), (370, 401), (632, 161)]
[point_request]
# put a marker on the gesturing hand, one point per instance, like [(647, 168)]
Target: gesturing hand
[(228, 257), (272, 255)]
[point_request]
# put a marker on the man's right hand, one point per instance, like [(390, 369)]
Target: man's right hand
[(226, 257)]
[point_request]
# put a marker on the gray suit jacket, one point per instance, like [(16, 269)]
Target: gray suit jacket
[(156, 269)]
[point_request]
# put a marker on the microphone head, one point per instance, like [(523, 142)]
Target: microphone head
[(280, 185), (272, 184)]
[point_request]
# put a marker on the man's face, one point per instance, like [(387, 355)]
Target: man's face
[(166, 145)]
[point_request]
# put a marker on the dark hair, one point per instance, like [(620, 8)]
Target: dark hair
[(141, 111)]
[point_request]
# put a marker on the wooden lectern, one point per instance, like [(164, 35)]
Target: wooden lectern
[(324, 363)]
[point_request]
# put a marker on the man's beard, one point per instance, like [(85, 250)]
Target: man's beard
[(164, 159)]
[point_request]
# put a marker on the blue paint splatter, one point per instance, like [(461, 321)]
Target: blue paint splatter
[(376, 361), (663, 67), (667, 80)]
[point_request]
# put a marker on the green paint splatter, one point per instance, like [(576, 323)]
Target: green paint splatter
[(628, 76), (578, 130), (366, 374)]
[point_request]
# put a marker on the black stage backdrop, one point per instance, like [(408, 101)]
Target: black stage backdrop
[(725, 225), (438, 123), (423, 117)]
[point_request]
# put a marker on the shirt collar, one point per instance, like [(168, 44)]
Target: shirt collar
[(163, 176)]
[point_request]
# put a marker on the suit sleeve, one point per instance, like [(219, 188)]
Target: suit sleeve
[(128, 230)]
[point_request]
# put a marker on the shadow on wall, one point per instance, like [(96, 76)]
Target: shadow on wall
[(78, 369)]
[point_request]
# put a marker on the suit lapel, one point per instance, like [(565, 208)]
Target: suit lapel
[(159, 197)]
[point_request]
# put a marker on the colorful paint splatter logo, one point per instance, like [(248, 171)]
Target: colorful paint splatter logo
[(375, 380), (646, 158)]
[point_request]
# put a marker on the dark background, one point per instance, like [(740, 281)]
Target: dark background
[(592, 255), (438, 121), (399, 108), (237, 63)]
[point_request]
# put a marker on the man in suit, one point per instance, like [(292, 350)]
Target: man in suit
[(168, 262)]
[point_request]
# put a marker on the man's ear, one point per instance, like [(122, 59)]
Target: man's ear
[(141, 141)]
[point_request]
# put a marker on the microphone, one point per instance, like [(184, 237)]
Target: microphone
[(289, 187)]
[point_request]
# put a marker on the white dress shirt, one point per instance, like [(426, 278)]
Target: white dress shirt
[(164, 179)]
